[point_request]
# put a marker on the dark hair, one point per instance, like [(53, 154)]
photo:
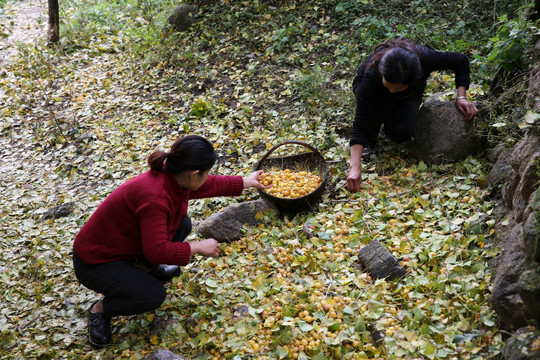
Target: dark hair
[(191, 152), (397, 61)]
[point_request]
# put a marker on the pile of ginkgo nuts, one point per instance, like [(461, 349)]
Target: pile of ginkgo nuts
[(289, 184)]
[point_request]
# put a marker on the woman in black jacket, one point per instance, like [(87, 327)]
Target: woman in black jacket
[(388, 88)]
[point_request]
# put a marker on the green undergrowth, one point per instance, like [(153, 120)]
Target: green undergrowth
[(80, 118)]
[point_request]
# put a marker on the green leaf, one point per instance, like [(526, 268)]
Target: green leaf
[(304, 326), (281, 352), (427, 349), (334, 327), (488, 321)]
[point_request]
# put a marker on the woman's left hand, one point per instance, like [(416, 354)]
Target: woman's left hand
[(467, 108), (253, 181)]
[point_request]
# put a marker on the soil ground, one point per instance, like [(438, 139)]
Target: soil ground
[(28, 21)]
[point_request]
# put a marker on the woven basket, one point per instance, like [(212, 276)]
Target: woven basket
[(310, 160)]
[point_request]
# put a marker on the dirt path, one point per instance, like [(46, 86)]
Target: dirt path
[(24, 22)]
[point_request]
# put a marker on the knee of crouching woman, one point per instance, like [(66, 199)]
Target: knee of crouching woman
[(152, 299)]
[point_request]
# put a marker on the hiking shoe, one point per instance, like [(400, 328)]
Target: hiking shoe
[(99, 328)]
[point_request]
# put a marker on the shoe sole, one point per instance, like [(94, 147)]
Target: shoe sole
[(97, 345)]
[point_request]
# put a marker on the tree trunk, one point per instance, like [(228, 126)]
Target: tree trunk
[(54, 22)]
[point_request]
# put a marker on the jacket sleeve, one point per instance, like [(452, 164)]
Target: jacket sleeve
[(219, 185), (365, 87), (433, 60), (155, 240)]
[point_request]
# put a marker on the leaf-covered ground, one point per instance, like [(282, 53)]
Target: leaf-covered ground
[(80, 119)]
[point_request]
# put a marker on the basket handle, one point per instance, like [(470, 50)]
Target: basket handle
[(297, 142)]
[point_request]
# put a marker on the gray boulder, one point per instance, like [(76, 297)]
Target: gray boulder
[(529, 290), (501, 170), (182, 18), (521, 346), (227, 225), (516, 293), (441, 134), (524, 161), (505, 297), (531, 231)]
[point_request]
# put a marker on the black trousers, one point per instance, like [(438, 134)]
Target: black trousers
[(399, 119), (127, 289)]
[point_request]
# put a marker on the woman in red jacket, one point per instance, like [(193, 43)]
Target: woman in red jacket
[(141, 225), (388, 89)]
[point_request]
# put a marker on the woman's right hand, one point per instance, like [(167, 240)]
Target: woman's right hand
[(467, 108), (207, 247), (354, 179), (253, 180)]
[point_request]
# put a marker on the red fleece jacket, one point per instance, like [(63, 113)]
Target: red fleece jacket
[(141, 216)]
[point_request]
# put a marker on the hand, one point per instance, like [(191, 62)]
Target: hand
[(354, 179), (467, 108), (253, 181), (207, 247)]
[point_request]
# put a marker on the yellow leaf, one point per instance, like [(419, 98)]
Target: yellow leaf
[(154, 339), (286, 92)]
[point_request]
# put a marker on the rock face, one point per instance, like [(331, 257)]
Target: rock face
[(501, 170), (441, 134), (227, 225), (516, 296), (523, 345), (514, 183)]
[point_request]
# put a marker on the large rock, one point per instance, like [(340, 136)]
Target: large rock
[(505, 298), (441, 134), (227, 225), (501, 170), (519, 168), (524, 160), (523, 345), (529, 290), (531, 234), (181, 18), (516, 295)]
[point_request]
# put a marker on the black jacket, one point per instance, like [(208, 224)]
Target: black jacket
[(371, 95)]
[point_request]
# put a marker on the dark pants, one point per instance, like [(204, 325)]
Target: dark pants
[(127, 289), (399, 119)]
